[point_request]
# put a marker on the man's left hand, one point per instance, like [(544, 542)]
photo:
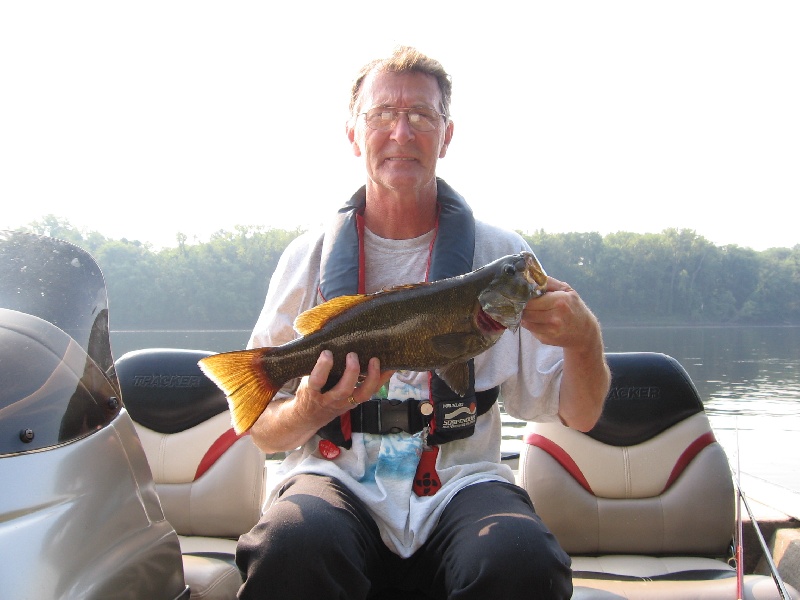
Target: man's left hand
[(560, 317)]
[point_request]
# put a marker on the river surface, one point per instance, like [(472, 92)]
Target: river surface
[(748, 377)]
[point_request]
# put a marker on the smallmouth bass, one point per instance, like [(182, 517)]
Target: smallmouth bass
[(434, 326)]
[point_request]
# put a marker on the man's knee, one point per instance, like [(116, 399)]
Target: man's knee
[(497, 542), (311, 512), (310, 541), (516, 545)]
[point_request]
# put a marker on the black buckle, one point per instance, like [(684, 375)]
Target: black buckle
[(390, 415), (394, 415)]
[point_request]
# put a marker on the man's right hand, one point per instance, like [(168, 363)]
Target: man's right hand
[(290, 422)]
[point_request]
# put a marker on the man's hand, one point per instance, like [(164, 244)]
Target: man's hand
[(350, 390), (288, 423), (560, 317)]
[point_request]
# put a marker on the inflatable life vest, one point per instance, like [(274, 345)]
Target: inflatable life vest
[(342, 273)]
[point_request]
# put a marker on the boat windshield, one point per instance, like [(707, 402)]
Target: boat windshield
[(56, 368)]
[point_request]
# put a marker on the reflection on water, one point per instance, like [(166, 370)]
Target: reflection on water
[(223, 340), (746, 371)]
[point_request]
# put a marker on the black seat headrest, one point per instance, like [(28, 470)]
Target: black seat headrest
[(649, 393), (165, 390)]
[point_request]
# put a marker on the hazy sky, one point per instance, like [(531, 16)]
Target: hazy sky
[(145, 119)]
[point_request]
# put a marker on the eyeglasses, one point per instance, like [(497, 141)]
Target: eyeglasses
[(384, 118)]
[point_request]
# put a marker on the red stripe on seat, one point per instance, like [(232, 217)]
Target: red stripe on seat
[(561, 456), (217, 449), (688, 456)]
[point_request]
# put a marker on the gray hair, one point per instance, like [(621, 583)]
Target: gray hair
[(405, 59)]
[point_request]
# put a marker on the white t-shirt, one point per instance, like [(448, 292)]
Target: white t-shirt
[(380, 469)]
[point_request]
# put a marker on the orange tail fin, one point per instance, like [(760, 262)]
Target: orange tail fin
[(241, 376)]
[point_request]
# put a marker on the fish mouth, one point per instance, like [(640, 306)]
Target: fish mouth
[(520, 278), (534, 273)]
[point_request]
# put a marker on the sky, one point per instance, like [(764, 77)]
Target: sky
[(146, 119)]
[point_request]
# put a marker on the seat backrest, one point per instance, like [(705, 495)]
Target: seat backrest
[(210, 481), (649, 478)]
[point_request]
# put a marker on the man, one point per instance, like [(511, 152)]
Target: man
[(357, 511)]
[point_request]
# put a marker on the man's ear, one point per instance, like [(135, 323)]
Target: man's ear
[(350, 128), (448, 136)]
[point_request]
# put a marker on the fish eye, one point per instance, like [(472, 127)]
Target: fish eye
[(509, 269)]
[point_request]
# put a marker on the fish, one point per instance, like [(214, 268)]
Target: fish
[(431, 326)]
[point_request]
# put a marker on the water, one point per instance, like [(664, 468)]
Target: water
[(746, 371), (748, 377), (222, 340)]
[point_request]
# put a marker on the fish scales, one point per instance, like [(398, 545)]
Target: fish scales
[(397, 327), (428, 326)]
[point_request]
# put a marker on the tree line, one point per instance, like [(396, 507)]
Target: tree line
[(672, 277)]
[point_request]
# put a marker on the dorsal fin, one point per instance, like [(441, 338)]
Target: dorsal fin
[(315, 318)]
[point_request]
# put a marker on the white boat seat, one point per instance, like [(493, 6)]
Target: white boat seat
[(209, 480), (644, 503)]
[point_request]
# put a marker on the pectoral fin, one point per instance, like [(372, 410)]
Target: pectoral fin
[(456, 376), (458, 345)]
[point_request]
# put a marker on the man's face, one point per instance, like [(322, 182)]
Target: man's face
[(401, 158)]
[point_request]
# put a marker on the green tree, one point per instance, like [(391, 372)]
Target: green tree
[(675, 276), (777, 296), (130, 270)]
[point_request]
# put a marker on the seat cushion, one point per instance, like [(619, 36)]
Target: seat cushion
[(209, 567), (203, 490), (756, 587), (641, 471), (197, 544), (651, 567), (210, 578), (644, 499), (618, 576)]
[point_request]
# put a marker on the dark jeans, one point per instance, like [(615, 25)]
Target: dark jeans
[(319, 542)]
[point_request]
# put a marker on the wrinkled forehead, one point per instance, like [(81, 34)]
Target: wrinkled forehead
[(404, 89)]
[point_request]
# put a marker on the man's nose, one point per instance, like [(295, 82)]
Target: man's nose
[(402, 132)]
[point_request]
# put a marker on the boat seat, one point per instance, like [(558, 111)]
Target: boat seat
[(209, 480), (644, 502)]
